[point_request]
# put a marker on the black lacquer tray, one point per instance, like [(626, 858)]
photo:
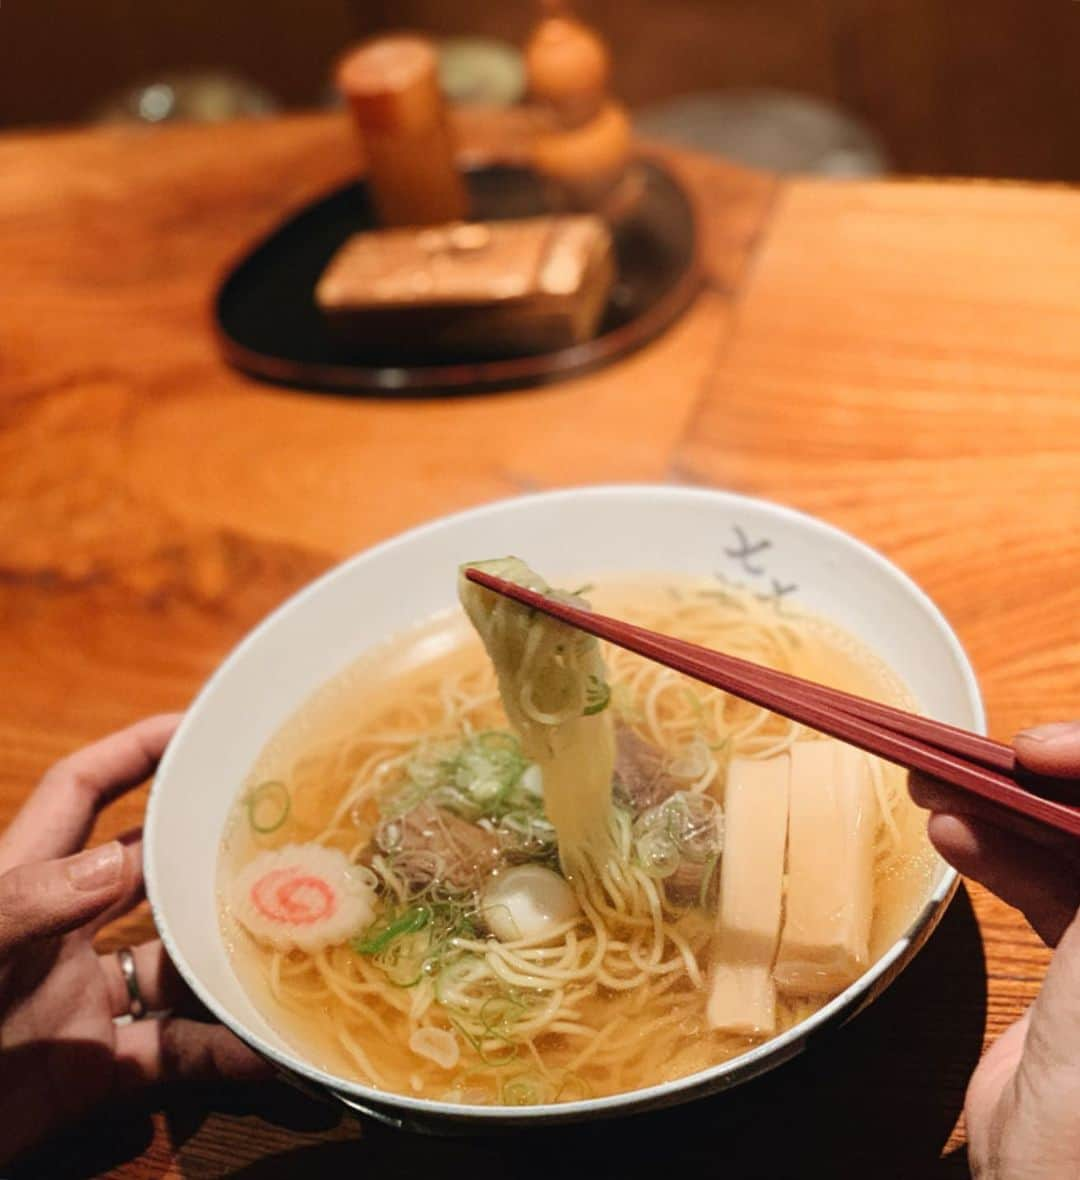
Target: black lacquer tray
[(269, 326)]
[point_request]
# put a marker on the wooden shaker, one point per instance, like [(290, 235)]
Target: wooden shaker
[(391, 85)]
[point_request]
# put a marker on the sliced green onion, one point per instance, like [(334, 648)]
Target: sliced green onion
[(413, 919), (569, 1082), (476, 1042), (404, 974), (451, 972), (521, 1091), (503, 1009), (597, 696), (706, 880), (268, 807), (658, 855), (476, 776), (413, 944), (499, 739)]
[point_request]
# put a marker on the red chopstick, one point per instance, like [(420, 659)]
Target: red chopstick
[(965, 760)]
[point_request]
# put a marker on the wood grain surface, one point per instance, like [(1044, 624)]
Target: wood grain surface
[(900, 359)]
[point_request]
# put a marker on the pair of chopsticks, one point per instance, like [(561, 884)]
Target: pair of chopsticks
[(965, 760)]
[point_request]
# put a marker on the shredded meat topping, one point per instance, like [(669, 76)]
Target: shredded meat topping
[(640, 777), (430, 844)]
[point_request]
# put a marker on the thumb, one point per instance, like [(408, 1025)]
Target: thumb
[(1053, 749), (55, 896)]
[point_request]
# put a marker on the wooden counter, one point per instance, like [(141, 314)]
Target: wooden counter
[(902, 359)]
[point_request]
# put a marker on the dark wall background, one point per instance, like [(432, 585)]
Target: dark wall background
[(979, 87)]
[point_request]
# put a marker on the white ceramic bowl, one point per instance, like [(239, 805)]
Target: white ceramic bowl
[(597, 530)]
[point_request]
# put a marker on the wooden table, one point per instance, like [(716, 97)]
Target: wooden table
[(902, 359)]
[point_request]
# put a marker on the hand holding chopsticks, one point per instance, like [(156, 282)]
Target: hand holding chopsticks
[(1038, 873), (965, 760)]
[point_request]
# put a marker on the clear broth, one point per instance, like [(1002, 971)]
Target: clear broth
[(318, 751)]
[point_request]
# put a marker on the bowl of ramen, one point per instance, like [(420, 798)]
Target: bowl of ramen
[(460, 865)]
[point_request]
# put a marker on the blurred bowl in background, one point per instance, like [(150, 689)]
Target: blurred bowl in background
[(481, 71), (197, 97), (768, 129)]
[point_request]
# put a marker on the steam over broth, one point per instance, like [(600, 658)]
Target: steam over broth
[(485, 967)]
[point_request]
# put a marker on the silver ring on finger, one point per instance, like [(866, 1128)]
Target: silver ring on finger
[(136, 1003)]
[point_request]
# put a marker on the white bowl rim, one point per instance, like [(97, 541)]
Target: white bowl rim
[(650, 1096)]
